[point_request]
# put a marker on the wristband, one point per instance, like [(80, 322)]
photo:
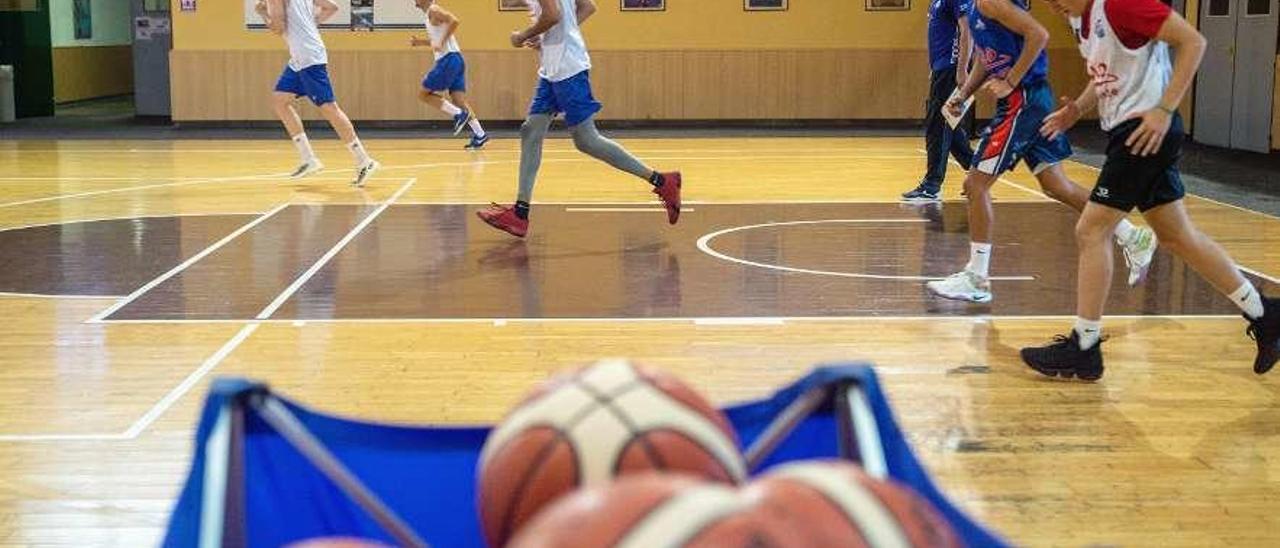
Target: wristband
[(1169, 111)]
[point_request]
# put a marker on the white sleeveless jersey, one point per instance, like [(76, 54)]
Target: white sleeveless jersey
[(1128, 82), (564, 51), (303, 35), (437, 32)]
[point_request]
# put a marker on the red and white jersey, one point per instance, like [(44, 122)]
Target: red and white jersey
[(1129, 67)]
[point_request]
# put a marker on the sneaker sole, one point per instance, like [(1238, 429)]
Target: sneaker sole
[(1067, 374), (362, 179), (499, 227), (307, 173), (457, 128), (921, 200), (980, 299)]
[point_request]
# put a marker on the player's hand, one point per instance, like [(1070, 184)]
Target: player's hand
[(261, 8), (414, 41), (1061, 120), (955, 106), (998, 88), (517, 39), (534, 43), (1149, 137)]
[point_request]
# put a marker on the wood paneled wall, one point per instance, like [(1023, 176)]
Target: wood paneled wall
[(827, 84), (1275, 111), (87, 72)]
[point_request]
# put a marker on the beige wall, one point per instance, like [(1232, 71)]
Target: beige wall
[(694, 85), (93, 71), (1275, 111)]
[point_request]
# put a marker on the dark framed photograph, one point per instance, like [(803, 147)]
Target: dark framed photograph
[(764, 5), (514, 5), (888, 5), (644, 5), (83, 16), (362, 15)]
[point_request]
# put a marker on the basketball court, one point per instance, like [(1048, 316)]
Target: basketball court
[(140, 270)]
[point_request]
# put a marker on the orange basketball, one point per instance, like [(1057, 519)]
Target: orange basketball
[(838, 504), (587, 427), (656, 510)]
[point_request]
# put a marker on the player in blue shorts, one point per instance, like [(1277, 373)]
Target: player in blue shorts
[(1013, 68), (307, 75), (449, 74), (564, 86)]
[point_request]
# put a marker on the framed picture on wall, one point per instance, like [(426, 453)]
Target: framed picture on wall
[(888, 5), (764, 5), (644, 5), (362, 15), (19, 5), (83, 16), (513, 5)]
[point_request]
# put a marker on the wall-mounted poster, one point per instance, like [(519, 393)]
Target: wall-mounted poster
[(644, 5), (764, 5), (83, 16), (513, 5), (888, 5), (362, 15)]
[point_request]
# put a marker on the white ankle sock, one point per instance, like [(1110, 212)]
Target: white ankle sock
[(358, 152), (1090, 332), (303, 144), (1249, 300), (475, 127), (450, 108), (979, 259), (1125, 230)]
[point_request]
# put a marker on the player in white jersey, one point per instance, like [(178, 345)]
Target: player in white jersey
[(1137, 91), (307, 75), (449, 73), (564, 86)]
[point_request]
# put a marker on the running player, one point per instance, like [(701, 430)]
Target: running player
[(449, 74), (564, 86), (1012, 67), (1137, 91), (307, 75)]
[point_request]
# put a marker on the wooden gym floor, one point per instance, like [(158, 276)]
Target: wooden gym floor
[(134, 272)]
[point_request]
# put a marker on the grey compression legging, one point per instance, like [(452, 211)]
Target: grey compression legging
[(585, 137)]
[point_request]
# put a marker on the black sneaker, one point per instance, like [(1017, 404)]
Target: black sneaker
[(1063, 358), (1266, 331), (920, 195)]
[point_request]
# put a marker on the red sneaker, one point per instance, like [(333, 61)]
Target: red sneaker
[(505, 219), (670, 194)]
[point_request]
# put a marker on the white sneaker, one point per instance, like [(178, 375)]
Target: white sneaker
[(962, 286), (1139, 249), (308, 168), (364, 172)]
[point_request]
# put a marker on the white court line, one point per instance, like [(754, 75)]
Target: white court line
[(711, 320), (324, 260), (376, 150), (142, 187), (126, 218), (704, 245), (160, 407), (185, 264), (42, 296), (190, 382)]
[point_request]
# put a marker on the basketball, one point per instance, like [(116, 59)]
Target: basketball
[(656, 510), (586, 427), (837, 504)]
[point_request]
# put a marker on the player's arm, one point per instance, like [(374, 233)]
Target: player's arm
[(1070, 113), (966, 51), (274, 14), (549, 17), (449, 19), (1034, 39), (585, 9), (324, 10), (967, 89), (1188, 50)]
